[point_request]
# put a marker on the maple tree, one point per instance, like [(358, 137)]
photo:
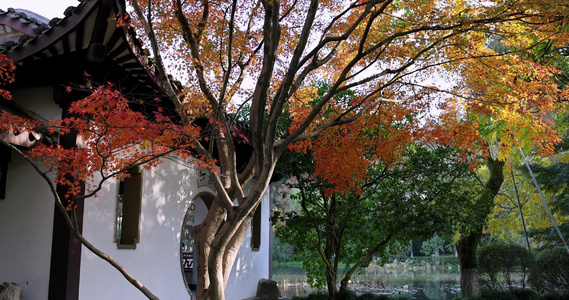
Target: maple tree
[(270, 54), (7, 68), (506, 220), (516, 116), (471, 235)]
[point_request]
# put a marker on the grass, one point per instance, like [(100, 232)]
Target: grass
[(417, 261), (290, 264), (349, 295)]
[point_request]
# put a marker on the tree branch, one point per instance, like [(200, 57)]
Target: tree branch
[(73, 229)]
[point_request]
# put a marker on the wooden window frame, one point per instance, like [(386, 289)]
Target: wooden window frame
[(128, 210), (256, 229), (5, 158)]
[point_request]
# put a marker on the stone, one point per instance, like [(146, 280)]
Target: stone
[(10, 291), (268, 290)]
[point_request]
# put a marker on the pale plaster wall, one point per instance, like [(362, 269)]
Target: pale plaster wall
[(167, 193), (250, 266), (26, 222), (38, 100), (26, 215)]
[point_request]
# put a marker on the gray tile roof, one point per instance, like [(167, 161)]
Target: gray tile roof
[(22, 24), (90, 26)]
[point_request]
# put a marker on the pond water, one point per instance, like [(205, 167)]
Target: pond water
[(421, 283)]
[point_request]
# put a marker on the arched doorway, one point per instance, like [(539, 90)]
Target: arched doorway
[(194, 216)]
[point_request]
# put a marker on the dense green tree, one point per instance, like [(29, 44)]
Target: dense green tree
[(435, 245), (337, 234)]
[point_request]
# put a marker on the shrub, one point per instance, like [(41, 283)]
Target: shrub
[(318, 296), (313, 296), (498, 295), (517, 294), (371, 296), (367, 296), (555, 297), (349, 295), (524, 294), (550, 275), (498, 261), (346, 295)]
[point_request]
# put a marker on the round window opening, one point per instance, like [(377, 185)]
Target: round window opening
[(194, 216)]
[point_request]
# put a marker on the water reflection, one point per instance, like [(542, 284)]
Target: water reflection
[(418, 283)]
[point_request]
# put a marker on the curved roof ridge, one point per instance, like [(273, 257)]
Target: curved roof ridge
[(19, 24), (19, 20), (31, 16)]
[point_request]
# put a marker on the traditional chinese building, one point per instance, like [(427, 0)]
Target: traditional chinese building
[(143, 222)]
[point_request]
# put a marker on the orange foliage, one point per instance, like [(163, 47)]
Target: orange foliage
[(7, 69), (111, 139), (344, 153), (515, 97), (406, 45)]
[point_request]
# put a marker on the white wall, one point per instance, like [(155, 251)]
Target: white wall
[(250, 266), (167, 193), (26, 222), (26, 215), (38, 100)]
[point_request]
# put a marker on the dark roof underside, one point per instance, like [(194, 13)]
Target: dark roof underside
[(85, 42)]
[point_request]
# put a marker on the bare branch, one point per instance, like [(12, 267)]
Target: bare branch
[(193, 42)]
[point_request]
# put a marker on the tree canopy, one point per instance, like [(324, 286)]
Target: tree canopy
[(411, 198), (425, 59)]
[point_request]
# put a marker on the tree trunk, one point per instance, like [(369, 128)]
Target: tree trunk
[(218, 239), (203, 235), (333, 245), (233, 247), (467, 259), (216, 289), (467, 245), (331, 282)]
